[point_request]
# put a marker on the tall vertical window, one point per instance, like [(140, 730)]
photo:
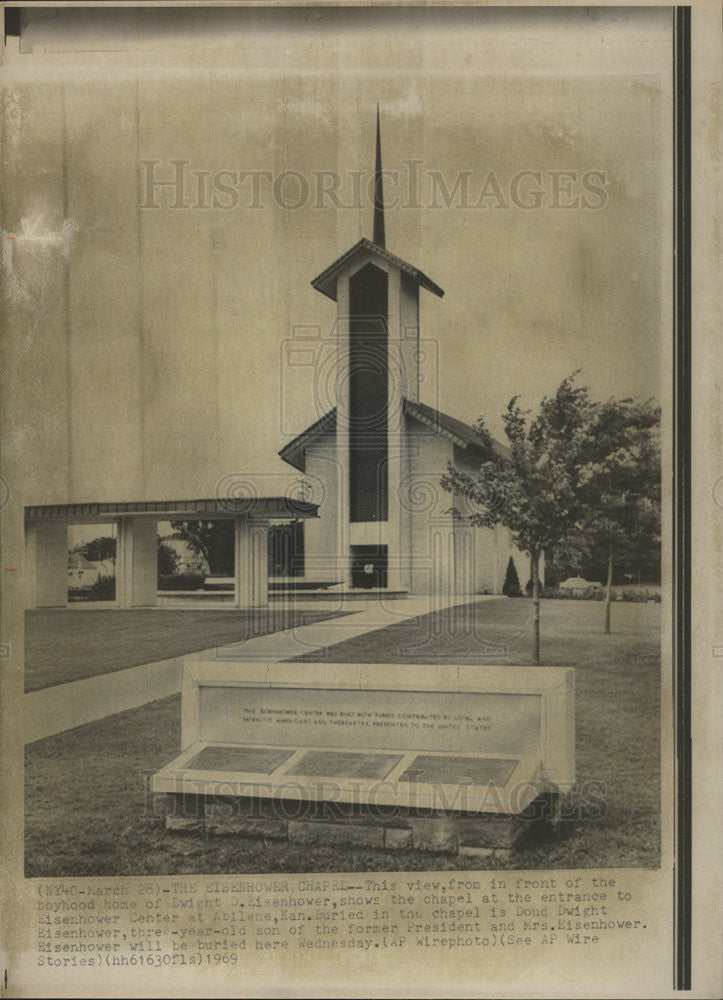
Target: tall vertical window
[(368, 395)]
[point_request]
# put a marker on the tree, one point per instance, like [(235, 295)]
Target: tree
[(564, 477), (211, 539), (168, 559), (622, 492), (99, 549)]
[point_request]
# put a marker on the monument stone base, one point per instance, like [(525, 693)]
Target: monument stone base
[(343, 824), (460, 759)]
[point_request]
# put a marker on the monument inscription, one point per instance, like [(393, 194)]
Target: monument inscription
[(484, 739), (419, 720)]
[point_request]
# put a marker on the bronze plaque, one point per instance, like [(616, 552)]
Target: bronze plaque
[(340, 764), (248, 760), (459, 770)]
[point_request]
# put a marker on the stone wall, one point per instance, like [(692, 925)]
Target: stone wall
[(334, 824)]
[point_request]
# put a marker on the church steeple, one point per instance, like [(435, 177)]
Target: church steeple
[(378, 233), (326, 282)]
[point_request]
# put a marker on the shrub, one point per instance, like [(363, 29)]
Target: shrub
[(637, 596), (591, 594), (555, 594), (103, 589), (78, 594), (511, 586), (599, 594), (181, 581)]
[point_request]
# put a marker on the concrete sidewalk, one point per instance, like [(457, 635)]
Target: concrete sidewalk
[(65, 706)]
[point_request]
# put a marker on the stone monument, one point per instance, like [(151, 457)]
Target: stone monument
[(449, 758)]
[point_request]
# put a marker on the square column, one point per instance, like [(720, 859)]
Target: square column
[(251, 563), (441, 548), (465, 563), (398, 549), (46, 564), (137, 562)]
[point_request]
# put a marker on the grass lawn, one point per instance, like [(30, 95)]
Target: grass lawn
[(69, 645), (87, 812)]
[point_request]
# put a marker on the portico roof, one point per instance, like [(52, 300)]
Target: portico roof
[(326, 281), (165, 510)]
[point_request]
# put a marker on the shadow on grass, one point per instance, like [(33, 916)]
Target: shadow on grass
[(68, 644)]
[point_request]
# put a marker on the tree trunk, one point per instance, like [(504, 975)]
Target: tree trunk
[(608, 594), (534, 564)]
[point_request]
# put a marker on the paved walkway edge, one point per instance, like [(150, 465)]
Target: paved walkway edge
[(55, 709)]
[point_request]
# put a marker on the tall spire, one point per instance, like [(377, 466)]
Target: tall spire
[(378, 235)]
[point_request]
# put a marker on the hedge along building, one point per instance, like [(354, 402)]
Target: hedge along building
[(380, 453)]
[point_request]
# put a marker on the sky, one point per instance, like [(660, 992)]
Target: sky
[(165, 342)]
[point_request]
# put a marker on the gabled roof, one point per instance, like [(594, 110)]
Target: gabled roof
[(460, 433), (326, 281), (457, 431), (293, 452)]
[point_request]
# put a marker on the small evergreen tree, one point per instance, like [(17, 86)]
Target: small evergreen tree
[(511, 586)]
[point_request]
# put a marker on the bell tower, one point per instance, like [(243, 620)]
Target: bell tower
[(377, 297)]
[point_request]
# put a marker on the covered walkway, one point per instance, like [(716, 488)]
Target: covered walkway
[(46, 544)]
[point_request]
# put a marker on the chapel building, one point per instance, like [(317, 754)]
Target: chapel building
[(385, 522)]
